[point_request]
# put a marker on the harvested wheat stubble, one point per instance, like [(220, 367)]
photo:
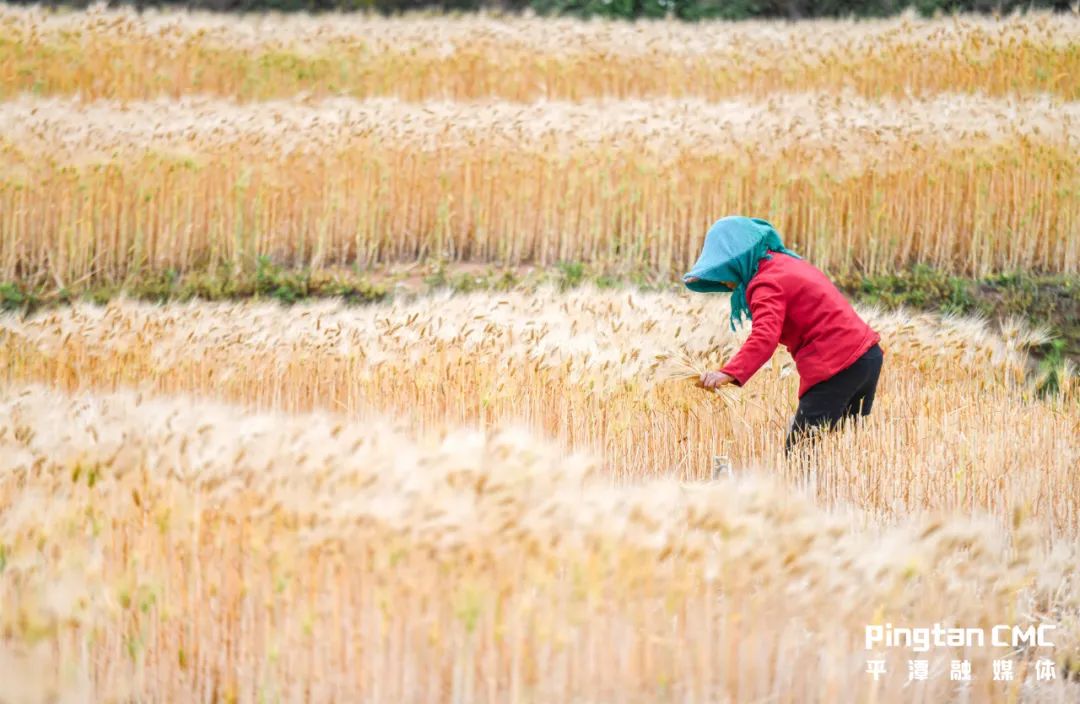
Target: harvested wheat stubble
[(165, 548), (108, 190), (605, 371), (125, 55)]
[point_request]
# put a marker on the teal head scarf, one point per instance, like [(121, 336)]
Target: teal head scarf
[(733, 248)]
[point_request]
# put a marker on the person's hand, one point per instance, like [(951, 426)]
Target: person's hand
[(714, 380)]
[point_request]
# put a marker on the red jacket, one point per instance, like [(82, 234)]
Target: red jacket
[(793, 303)]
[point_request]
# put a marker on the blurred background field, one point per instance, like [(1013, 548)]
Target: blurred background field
[(920, 161)]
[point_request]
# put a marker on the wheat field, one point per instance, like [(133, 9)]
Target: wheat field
[(299, 546), (201, 555), (136, 144), (106, 190), (508, 496)]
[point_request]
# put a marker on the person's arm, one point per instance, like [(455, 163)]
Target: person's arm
[(767, 308)]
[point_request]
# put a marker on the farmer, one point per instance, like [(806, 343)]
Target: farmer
[(789, 302)]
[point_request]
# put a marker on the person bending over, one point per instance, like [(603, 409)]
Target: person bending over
[(789, 302)]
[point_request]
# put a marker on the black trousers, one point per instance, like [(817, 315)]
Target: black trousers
[(848, 394)]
